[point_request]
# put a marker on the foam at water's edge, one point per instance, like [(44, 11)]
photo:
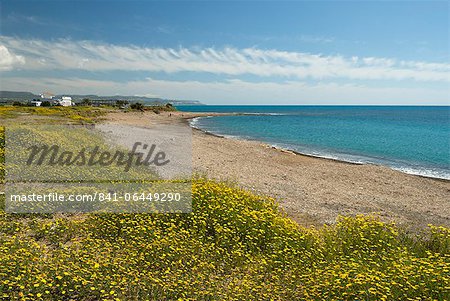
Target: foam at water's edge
[(194, 121), (403, 167), (425, 172), (264, 114)]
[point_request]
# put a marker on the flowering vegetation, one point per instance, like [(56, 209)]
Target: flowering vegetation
[(234, 246), (77, 114), (2, 155)]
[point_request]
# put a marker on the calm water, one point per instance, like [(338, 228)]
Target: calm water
[(411, 139)]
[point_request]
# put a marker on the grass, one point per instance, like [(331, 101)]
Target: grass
[(75, 114), (234, 246)]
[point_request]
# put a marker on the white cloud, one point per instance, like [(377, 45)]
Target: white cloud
[(283, 75), (240, 92), (93, 56), (9, 60)]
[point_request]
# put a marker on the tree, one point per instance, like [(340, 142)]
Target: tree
[(121, 103), (46, 103), (86, 102), (137, 106)]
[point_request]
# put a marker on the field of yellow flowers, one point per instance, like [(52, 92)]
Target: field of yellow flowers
[(77, 114), (233, 246)]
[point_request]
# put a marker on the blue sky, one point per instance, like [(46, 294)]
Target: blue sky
[(231, 52)]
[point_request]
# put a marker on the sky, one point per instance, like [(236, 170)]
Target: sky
[(230, 52)]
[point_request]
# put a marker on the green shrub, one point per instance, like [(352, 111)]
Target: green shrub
[(234, 246)]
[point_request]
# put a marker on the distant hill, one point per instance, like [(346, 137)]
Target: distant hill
[(17, 96), (142, 99), (10, 96)]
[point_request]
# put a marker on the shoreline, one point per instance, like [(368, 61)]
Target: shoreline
[(292, 151), (281, 149), (310, 190)]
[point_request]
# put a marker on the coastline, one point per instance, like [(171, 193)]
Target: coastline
[(293, 151), (311, 190), (284, 150)]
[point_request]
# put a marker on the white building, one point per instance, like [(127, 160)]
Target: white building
[(36, 103), (66, 101)]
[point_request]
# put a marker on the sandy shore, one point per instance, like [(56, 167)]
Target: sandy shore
[(311, 190)]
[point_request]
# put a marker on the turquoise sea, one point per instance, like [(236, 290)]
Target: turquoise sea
[(412, 139)]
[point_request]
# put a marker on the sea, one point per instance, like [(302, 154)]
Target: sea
[(411, 139)]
